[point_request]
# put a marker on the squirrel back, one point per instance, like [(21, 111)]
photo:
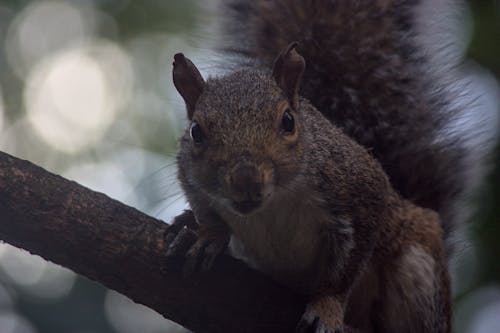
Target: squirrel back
[(367, 73)]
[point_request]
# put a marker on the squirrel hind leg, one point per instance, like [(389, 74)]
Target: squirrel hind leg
[(416, 295)]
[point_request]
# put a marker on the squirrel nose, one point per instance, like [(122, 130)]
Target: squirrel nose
[(245, 183)]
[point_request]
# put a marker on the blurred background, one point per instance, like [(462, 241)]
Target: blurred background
[(86, 92)]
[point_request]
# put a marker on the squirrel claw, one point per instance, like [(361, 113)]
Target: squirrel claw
[(306, 326), (193, 257), (186, 219), (179, 237), (199, 245), (315, 325), (176, 247), (212, 251), (181, 243), (203, 253), (322, 315), (318, 326)]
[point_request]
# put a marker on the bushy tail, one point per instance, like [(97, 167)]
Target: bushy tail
[(367, 74)]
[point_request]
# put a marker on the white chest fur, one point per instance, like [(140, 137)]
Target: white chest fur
[(283, 239)]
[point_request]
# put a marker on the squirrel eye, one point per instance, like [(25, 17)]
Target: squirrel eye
[(196, 133), (287, 122)]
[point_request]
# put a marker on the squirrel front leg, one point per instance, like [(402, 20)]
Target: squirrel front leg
[(200, 239)]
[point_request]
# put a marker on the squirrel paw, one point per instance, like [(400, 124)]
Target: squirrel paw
[(208, 247), (184, 220), (198, 244), (322, 316)]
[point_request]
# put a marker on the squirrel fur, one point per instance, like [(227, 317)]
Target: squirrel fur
[(330, 173)]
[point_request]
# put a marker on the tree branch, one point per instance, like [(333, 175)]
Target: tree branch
[(123, 249)]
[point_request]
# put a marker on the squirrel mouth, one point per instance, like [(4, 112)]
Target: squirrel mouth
[(246, 207)]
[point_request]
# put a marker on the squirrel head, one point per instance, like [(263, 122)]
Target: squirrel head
[(244, 141)]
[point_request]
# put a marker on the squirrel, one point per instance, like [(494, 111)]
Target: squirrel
[(325, 163)]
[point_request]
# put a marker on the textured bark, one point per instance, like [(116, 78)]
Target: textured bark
[(124, 249)]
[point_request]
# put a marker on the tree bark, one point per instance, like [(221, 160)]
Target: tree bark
[(124, 249)]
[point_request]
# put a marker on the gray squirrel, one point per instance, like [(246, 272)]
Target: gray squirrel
[(325, 163)]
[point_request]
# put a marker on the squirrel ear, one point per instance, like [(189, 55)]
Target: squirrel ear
[(188, 81), (287, 71)]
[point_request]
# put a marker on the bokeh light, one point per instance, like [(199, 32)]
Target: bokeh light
[(35, 275), (479, 311), (106, 177), (6, 300), (20, 267), (11, 322), (73, 97), (129, 317), (44, 27), (487, 320), (1, 109)]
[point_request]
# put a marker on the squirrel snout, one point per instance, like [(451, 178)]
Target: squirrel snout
[(246, 187), (245, 183)]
